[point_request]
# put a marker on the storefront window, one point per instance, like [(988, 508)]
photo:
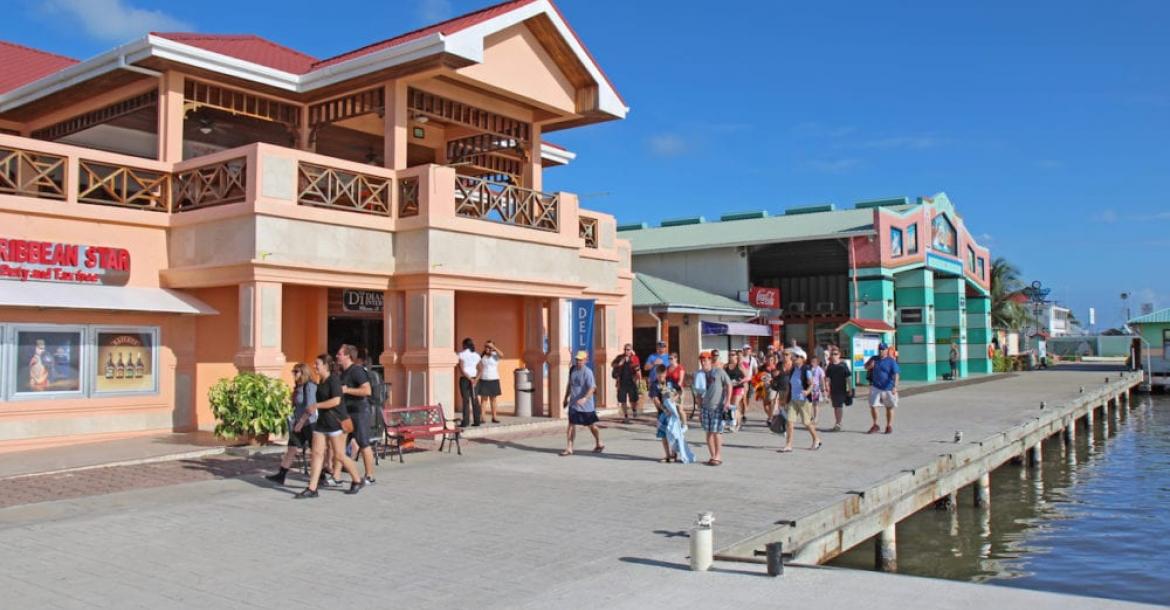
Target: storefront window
[(126, 361), (46, 361)]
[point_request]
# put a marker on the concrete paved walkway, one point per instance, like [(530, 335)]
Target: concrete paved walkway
[(509, 524)]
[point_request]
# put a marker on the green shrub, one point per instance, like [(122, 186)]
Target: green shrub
[(1002, 364), (250, 405)]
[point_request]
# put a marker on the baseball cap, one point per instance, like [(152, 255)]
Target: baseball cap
[(882, 346), (582, 355), (662, 344), (747, 346)]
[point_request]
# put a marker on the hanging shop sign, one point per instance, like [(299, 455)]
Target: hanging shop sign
[(366, 301), (47, 261), (582, 326), (765, 298)]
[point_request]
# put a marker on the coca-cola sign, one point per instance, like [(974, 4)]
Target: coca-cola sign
[(764, 298), (48, 261)]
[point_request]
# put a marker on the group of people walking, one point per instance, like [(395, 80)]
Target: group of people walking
[(788, 384), (334, 402)]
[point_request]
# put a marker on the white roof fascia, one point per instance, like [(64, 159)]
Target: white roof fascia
[(73, 75), (556, 155), (378, 60), (660, 308), (751, 242), (219, 63), (608, 100)]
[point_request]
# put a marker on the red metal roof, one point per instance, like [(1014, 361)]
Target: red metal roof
[(23, 65), (447, 27), (247, 47), (868, 324)]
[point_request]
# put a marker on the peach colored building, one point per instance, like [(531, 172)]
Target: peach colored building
[(186, 206)]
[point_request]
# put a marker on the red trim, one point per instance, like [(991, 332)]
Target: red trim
[(868, 324)]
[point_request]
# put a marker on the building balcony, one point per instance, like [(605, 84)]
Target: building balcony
[(45, 178)]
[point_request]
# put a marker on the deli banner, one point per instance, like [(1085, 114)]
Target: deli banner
[(581, 326)]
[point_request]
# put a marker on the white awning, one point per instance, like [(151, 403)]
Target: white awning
[(48, 295), (737, 329)]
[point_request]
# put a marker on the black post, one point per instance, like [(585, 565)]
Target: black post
[(774, 551)]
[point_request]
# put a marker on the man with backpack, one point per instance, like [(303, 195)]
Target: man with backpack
[(883, 372), (800, 402)]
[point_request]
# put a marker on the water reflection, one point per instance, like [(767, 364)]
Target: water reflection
[(1091, 520)]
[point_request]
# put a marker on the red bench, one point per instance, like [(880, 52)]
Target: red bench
[(409, 423)]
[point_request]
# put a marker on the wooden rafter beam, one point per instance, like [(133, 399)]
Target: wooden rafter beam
[(200, 94), (451, 111), (349, 106)]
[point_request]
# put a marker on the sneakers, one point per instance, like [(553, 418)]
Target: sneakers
[(329, 481), (889, 429), (874, 429), (354, 488), (306, 493), (368, 480), (837, 428), (277, 477)]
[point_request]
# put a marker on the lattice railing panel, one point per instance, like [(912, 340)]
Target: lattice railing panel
[(588, 231), (505, 203), (333, 188), (210, 185), (33, 174), (122, 186), (407, 197)]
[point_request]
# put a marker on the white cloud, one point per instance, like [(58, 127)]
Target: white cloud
[(833, 166), (115, 20), (986, 239), (667, 145), (432, 11)]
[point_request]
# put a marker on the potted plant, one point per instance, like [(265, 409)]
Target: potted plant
[(250, 407)]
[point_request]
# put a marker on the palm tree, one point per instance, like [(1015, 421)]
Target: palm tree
[(1006, 313)]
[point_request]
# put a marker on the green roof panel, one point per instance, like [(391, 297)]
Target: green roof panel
[(1162, 316), (651, 291)]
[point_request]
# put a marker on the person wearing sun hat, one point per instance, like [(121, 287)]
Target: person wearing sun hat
[(579, 401)]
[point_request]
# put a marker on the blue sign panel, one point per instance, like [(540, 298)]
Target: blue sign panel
[(944, 264), (582, 326)]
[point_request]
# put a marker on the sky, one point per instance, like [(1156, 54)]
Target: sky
[(1046, 122)]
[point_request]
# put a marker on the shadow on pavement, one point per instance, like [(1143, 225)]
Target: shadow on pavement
[(657, 563)]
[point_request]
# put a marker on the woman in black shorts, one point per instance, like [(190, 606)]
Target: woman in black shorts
[(328, 428)]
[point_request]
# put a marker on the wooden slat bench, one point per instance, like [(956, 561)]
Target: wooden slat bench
[(409, 423)]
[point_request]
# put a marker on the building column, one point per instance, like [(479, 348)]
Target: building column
[(394, 345), (530, 175), (534, 357), (170, 117), (559, 358), (260, 328), (430, 357), (606, 348), (979, 334), (950, 323), (914, 289), (395, 125), (873, 299)]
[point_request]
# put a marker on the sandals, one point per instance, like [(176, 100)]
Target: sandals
[(666, 460), (784, 450), (817, 446), (889, 429), (599, 449), (566, 452), (714, 462)]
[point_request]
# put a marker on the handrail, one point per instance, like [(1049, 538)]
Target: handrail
[(506, 203)]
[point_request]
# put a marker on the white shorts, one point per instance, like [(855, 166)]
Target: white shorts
[(879, 398)]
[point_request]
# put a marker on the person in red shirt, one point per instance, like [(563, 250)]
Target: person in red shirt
[(676, 373)]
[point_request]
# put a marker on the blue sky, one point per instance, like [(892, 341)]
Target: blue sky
[(1048, 123)]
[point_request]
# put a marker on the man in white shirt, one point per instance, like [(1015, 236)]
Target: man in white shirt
[(468, 376)]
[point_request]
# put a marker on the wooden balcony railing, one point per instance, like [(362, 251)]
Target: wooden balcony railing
[(588, 231), (485, 200), (210, 185), (408, 197), (343, 190), (33, 174), (122, 186)]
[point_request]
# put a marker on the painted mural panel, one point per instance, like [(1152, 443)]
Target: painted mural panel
[(912, 239), (48, 361), (943, 237), (895, 242)]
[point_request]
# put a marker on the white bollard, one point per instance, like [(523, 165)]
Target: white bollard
[(702, 543)]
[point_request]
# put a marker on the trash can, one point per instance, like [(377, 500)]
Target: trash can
[(524, 390)]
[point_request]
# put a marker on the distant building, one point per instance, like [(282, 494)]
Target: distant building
[(1057, 321), (1154, 348), (903, 271)]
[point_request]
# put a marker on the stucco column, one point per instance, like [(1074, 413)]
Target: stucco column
[(978, 334), (950, 323), (914, 290), (260, 328), (396, 125), (394, 344), (170, 117), (430, 358), (559, 358), (606, 348), (534, 356)]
